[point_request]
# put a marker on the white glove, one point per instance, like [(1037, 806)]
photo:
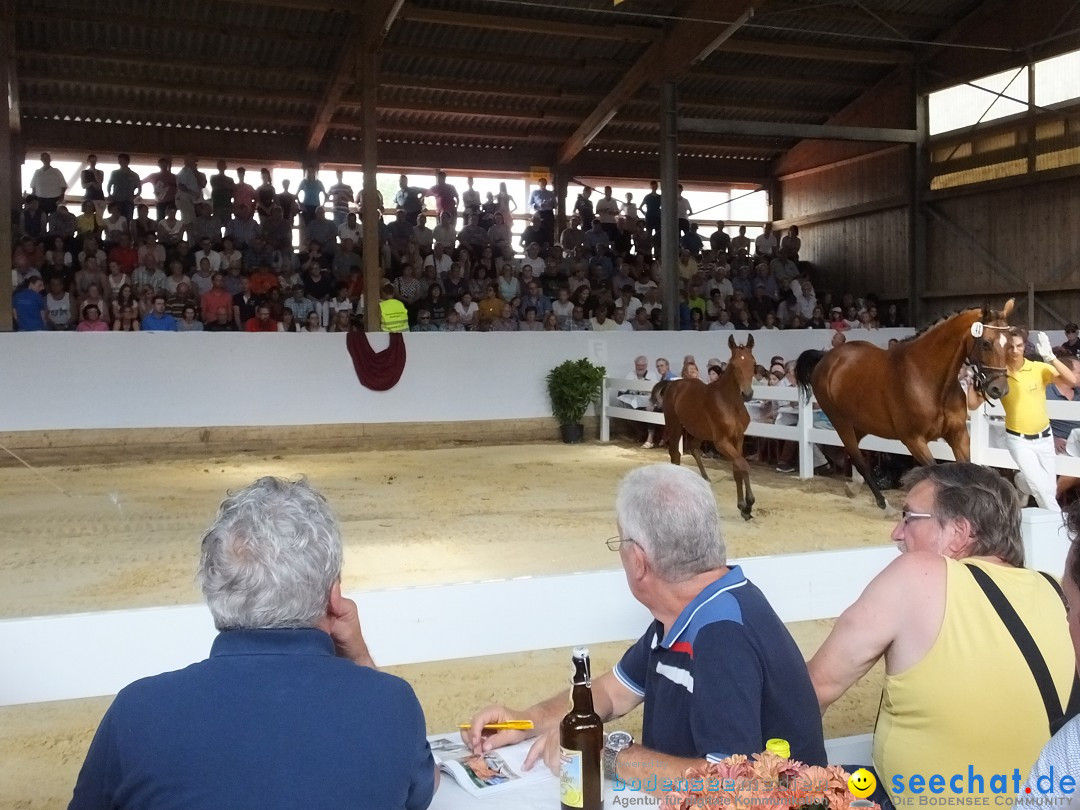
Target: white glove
[(1042, 346)]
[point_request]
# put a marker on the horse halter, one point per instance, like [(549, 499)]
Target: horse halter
[(980, 379)]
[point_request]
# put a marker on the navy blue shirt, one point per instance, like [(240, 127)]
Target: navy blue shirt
[(271, 720), (724, 679)]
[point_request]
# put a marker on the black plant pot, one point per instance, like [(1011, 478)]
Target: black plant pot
[(572, 434)]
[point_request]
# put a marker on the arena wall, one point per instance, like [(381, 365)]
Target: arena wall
[(189, 383)]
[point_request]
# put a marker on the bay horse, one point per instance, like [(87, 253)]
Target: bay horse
[(698, 412), (910, 392)]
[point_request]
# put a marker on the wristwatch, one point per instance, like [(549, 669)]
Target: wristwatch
[(617, 741)]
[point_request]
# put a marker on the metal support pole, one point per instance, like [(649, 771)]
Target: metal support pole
[(669, 214), (369, 81), (559, 182), (916, 215)]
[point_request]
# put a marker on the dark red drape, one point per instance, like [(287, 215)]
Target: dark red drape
[(378, 371)]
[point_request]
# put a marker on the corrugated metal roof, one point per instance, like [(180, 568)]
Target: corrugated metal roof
[(487, 74)]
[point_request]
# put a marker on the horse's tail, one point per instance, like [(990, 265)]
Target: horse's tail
[(657, 395), (804, 370)]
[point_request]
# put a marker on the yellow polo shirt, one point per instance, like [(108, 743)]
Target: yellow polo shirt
[(1025, 404)]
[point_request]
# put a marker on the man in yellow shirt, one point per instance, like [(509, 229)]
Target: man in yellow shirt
[(1027, 427), (393, 317), (958, 692)]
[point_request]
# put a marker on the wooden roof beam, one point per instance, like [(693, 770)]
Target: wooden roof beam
[(857, 13), (493, 88), (366, 32), (823, 53), (621, 33), (570, 64), (788, 79), (147, 59), (684, 44), (231, 91), (47, 16)]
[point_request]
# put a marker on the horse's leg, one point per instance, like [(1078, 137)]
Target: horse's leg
[(920, 451), (858, 460), (674, 429), (740, 470), (750, 499), (960, 441), (692, 445)]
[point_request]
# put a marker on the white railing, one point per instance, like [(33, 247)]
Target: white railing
[(985, 424)]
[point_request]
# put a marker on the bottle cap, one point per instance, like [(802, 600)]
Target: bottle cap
[(581, 652), (780, 748)]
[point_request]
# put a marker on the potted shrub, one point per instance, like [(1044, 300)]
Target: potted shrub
[(572, 387)]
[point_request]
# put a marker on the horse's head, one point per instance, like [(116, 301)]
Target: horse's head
[(986, 356), (742, 365)]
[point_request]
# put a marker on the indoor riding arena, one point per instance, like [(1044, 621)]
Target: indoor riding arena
[(912, 159)]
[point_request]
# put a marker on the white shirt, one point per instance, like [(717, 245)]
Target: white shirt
[(212, 255), (1060, 755), (716, 325), (440, 263), (682, 206), (48, 182), (607, 210), (345, 232), (766, 245)]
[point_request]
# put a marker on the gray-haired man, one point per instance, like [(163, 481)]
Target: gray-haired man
[(288, 710)]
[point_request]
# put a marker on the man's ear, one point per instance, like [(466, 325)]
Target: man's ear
[(637, 566), (960, 539), (334, 602)]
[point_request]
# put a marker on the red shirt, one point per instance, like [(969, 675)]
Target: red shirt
[(127, 258), (262, 282), (255, 325), (214, 299)]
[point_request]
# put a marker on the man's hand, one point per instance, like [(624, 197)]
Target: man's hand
[(345, 630), (481, 742), (1042, 346), (545, 748)]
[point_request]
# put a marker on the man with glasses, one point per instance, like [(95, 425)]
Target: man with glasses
[(718, 672), (958, 692)]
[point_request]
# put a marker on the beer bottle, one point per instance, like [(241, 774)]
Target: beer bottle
[(581, 740)]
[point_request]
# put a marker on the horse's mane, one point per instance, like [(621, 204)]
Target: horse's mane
[(938, 322)]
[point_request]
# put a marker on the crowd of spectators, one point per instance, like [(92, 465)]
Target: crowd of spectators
[(216, 253)]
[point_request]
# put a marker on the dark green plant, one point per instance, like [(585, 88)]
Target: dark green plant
[(572, 387)]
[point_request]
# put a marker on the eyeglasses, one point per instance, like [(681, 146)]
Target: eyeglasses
[(906, 516), (614, 543)]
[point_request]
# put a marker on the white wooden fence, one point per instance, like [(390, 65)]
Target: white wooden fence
[(986, 426)]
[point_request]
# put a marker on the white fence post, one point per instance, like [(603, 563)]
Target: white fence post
[(605, 421), (806, 448), (979, 434)]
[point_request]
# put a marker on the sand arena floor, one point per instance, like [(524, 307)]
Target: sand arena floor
[(127, 535)]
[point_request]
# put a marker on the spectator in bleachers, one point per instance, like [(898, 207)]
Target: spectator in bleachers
[(128, 320), (221, 321), (158, 320), (261, 322), (92, 320), (188, 322)]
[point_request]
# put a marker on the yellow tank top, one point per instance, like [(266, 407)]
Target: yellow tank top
[(1025, 404), (972, 700)]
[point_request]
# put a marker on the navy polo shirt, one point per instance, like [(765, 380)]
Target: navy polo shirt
[(271, 720), (724, 679)]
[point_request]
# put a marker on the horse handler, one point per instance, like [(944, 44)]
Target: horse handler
[(1027, 426)]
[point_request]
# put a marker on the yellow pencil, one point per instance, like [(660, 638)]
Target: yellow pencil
[(514, 725)]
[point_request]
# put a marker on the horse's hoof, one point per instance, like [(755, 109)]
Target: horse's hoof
[(888, 509), (747, 516)]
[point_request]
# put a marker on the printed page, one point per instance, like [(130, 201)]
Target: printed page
[(490, 773)]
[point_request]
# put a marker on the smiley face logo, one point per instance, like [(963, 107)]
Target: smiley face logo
[(861, 783)]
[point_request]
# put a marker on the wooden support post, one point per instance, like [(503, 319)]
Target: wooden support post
[(369, 81), (669, 213), (10, 184), (916, 214)]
